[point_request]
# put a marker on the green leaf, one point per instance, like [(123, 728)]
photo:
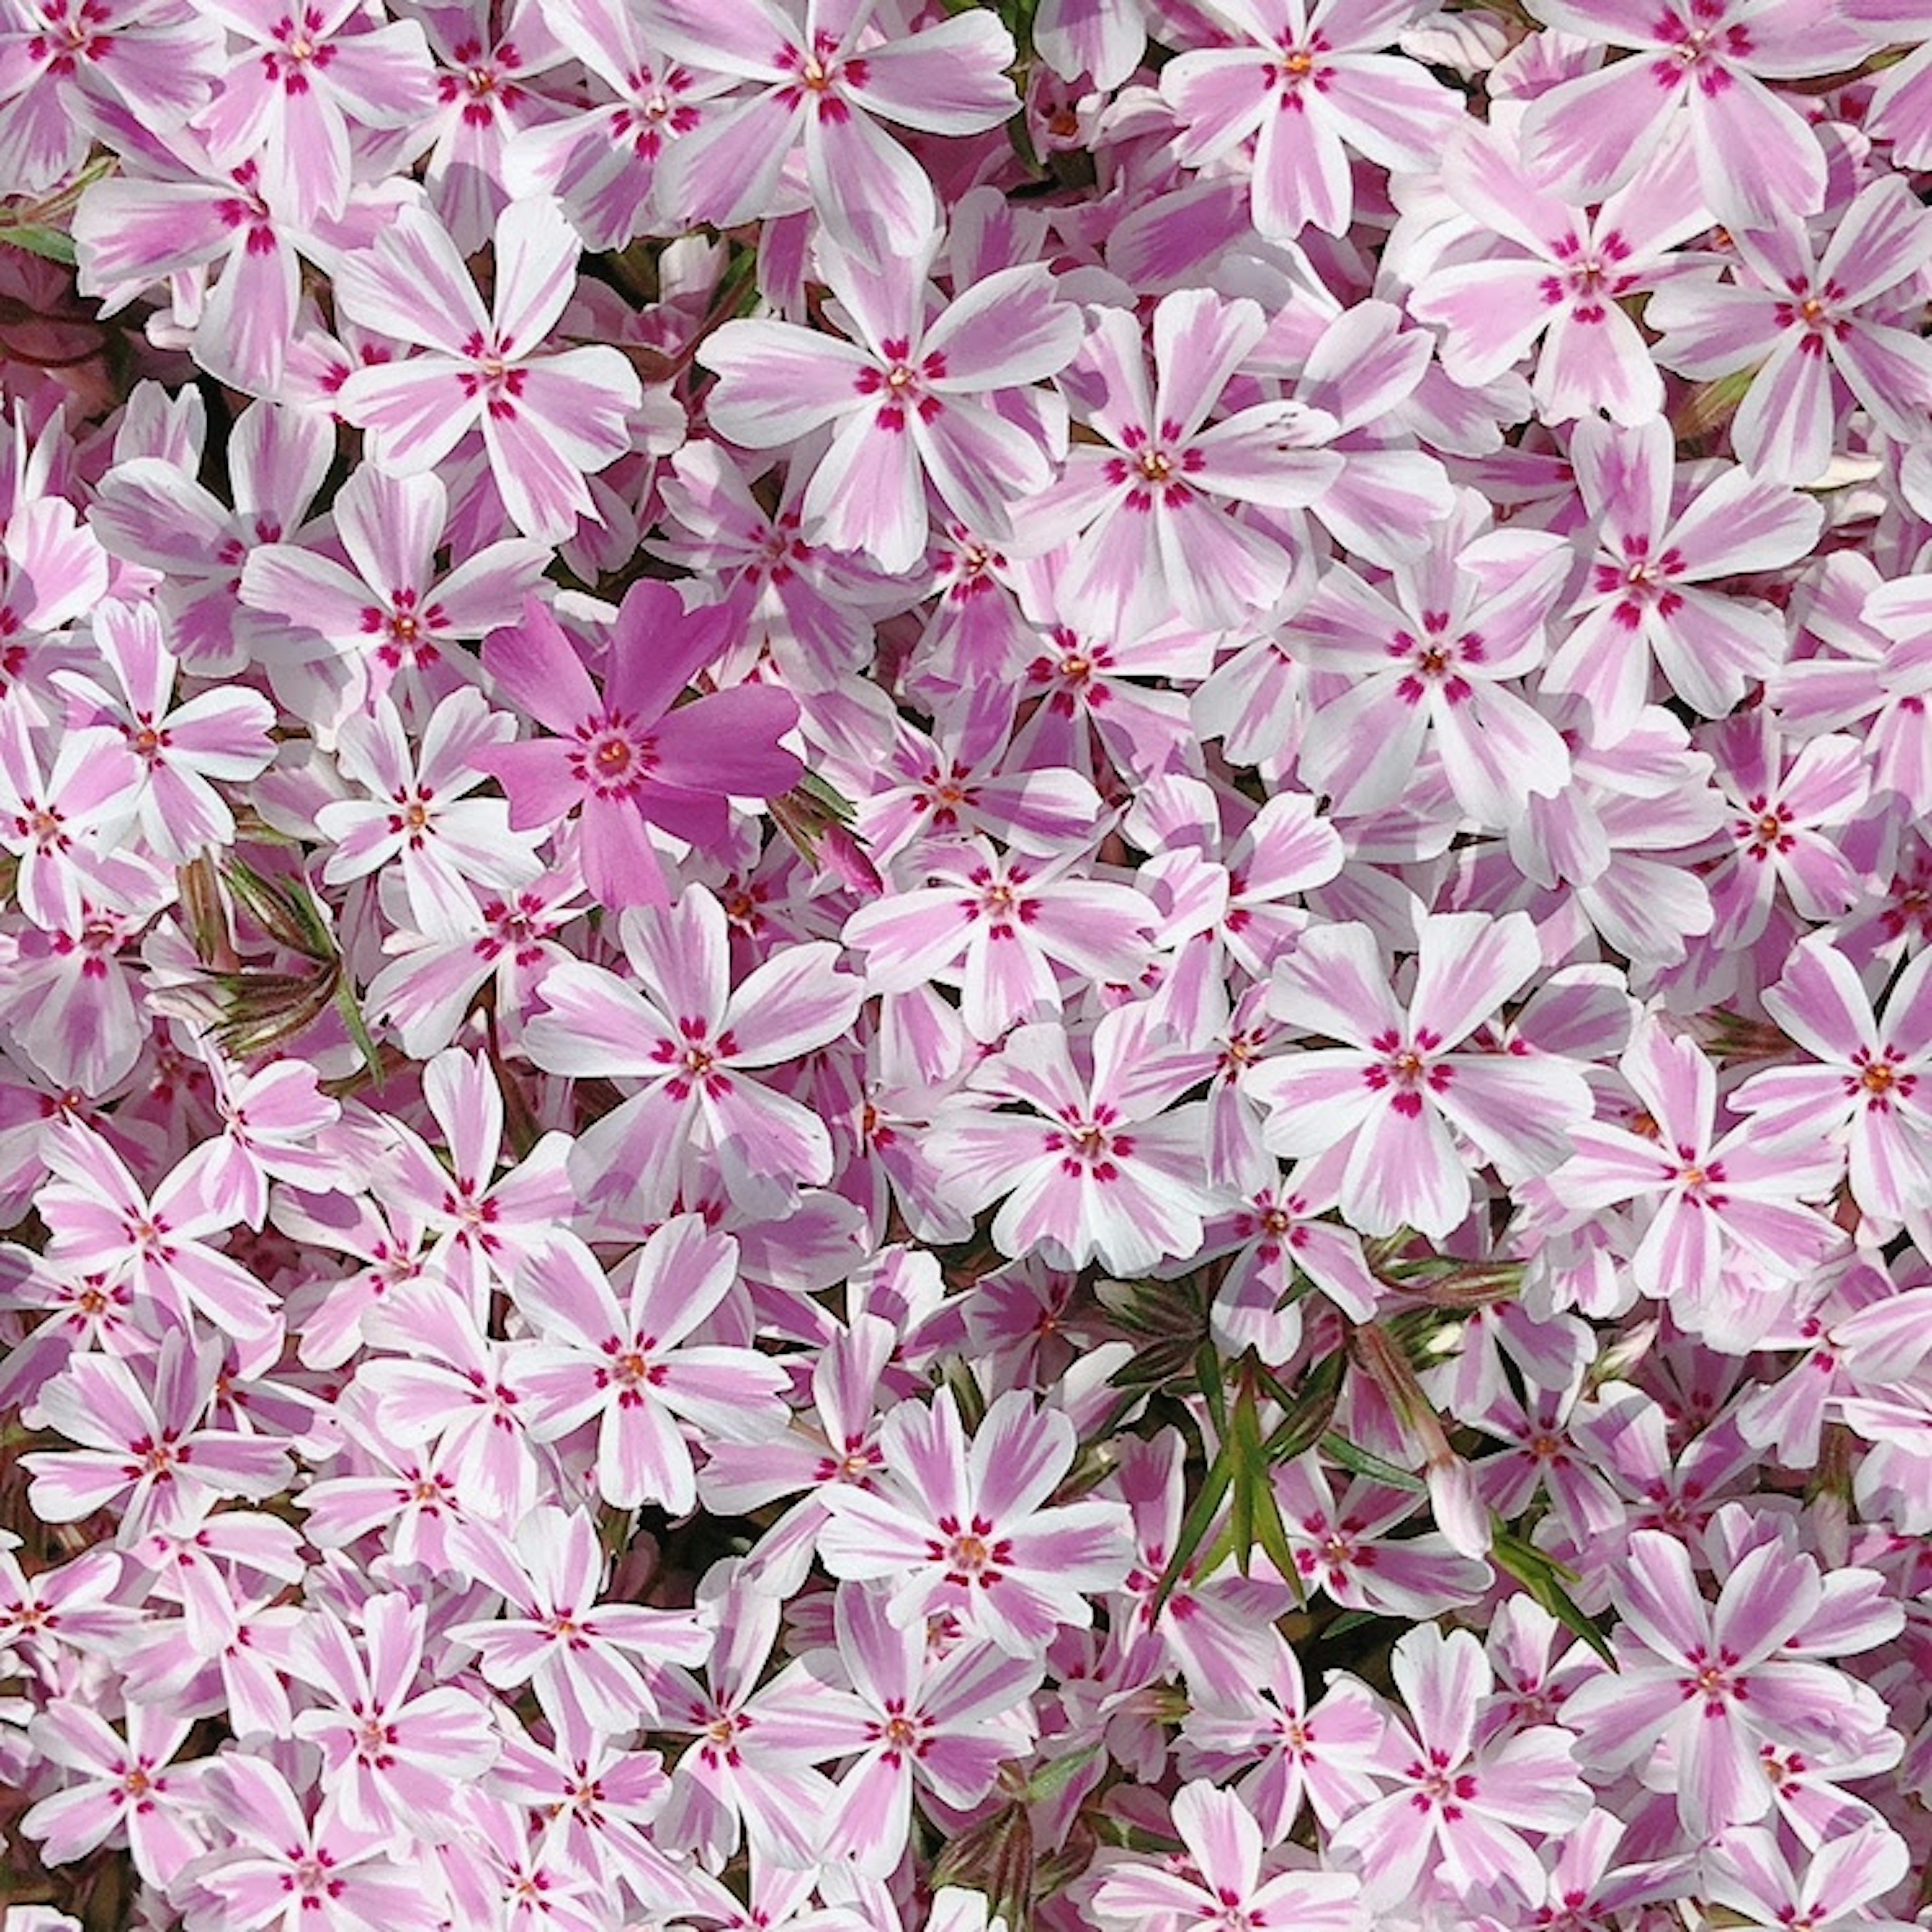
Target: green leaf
[(56, 245), (1195, 1524), (1272, 1534), (829, 797), (358, 1029), (1542, 1578), (1250, 1462), (1307, 1419), (1051, 1779), (1341, 1450), (1208, 1370)]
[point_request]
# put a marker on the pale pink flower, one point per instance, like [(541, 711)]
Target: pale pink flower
[(120, 1787), (546, 420), (1714, 1196), (389, 617), (602, 162), (452, 1387), (1150, 515), (1709, 1683), (313, 69), (61, 58), (1225, 1849), (146, 1453), (1403, 1080), (965, 1528), (1789, 816), (1750, 1874), (1347, 1546), (1646, 599), (277, 1124), (921, 398), (750, 1771), (284, 1871), (485, 1227), (817, 78), (998, 927), (630, 1368), (505, 941), (586, 1660), (836, 1441), (694, 1047), (1872, 1085), (1280, 1751), (1824, 330), (152, 510), (1696, 76), (1310, 84), (175, 751), (99, 1218), (945, 1724), (1550, 270), (1462, 1815), (1432, 660), (391, 1752), (1099, 1164), (56, 808)]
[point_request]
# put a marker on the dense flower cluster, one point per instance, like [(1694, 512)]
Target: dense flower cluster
[(965, 965)]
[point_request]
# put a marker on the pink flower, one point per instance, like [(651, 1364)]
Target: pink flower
[(938, 400), (147, 1455), (603, 161), (1646, 597), (173, 751), (1433, 663), (694, 1049), (120, 1787), (1309, 86), (1696, 76), (452, 1387), (1751, 1873), (998, 927), (1781, 833), (390, 617), (817, 78), (625, 756), (965, 1528), (1871, 1085), (1287, 1752), (1708, 1684), (392, 1753), (1099, 1164), (100, 1218), (1399, 1085), (283, 1870), (55, 809), (314, 67), (630, 1369), (152, 510), (1715, 1196), (1823, 330), (1548, 269), (59, 58), (587, 1661), (546, 420), (1461, 1815), (945, 1724), (506, 941), (1225, 1846), (1150, 515), (484, 1226)]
